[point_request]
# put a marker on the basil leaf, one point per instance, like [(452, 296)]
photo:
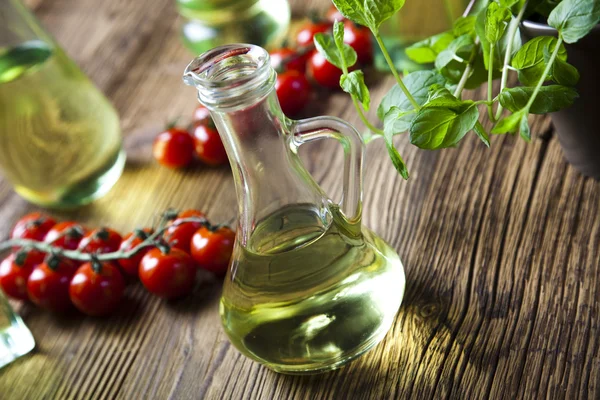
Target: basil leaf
[(397, 121), (481, 133), (439, 96), (524, 130), (573, 19), (418, 84), (426, 51), (529, 60), (370, 13), (440, 127), (462, 43), (464, 26), (508, 3), (562, 72), (325, 44), (509, 124), (397, 160), (338, 34), (354, 84), (549, 98), (496, 21)]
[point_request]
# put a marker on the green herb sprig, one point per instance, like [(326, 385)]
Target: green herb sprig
[(480, 48)]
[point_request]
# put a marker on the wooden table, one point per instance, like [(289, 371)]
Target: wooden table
[(500, 246)]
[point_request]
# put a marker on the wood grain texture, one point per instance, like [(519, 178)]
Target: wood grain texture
[(501, 248)]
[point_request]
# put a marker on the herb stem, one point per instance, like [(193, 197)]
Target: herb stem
[(467, 72), (545, 74), (390, 63), (364, 119), (490, 80), (512, 30), (449, 13)]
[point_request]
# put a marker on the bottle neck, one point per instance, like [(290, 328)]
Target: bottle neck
[(267, 172)]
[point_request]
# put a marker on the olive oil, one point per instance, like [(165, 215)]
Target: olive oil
[(60, 140), (309, 291)]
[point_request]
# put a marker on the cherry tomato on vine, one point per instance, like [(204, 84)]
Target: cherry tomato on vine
[(168, 275), (173, 148), (323, 72), (333, 14), (101, 240), (286, 59), (65, 235), (32, 226), (97, 289), (293, 91), (212, 249), (201, 115), (48, 284), (359, 38), (308, 31), (208, 145), (130, 241), (15, 270), (179, 235)]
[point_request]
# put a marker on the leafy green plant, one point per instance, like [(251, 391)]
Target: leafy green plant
[(480, 48)]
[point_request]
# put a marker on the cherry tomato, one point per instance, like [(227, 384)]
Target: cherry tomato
[(333, 14), (15, 270), (212, 249), (168, 275), (32, 226), (174, 148), (65, 235), (359, 38), (131, 240), (293, 91), (288, 60), (179, 235), (97, 291), (48, 284), (201, 115), (323, 72), (309, 30), (208, 145), (101, 240)]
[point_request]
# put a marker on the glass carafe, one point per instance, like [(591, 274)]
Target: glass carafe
[(60, 138), (308, 287)]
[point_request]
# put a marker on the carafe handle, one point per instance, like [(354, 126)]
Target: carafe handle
[(310, 129)]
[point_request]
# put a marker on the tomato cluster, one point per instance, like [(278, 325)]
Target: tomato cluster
[(296, 66), (166, 267), (176, 147)]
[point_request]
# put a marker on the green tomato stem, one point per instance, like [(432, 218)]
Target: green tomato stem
[(390, 64), (490, 81), (512, 30), (545, 74)]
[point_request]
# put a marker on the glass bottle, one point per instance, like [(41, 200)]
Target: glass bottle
[(308, 287), (60, 138), (210, 23), (15, 338)]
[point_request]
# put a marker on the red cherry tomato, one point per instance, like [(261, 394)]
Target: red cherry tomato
[(179, 235), (65, 235), (212, 249), (173, 148), (359, 38), (208, 145), (15, 270), (97, 291), (48, 284), (323, 72), (333, 14), (168, 275), (293, 91), (131, 240), (101, 240), (309, 30), (201, 115), (288, 60), (32, 226)]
